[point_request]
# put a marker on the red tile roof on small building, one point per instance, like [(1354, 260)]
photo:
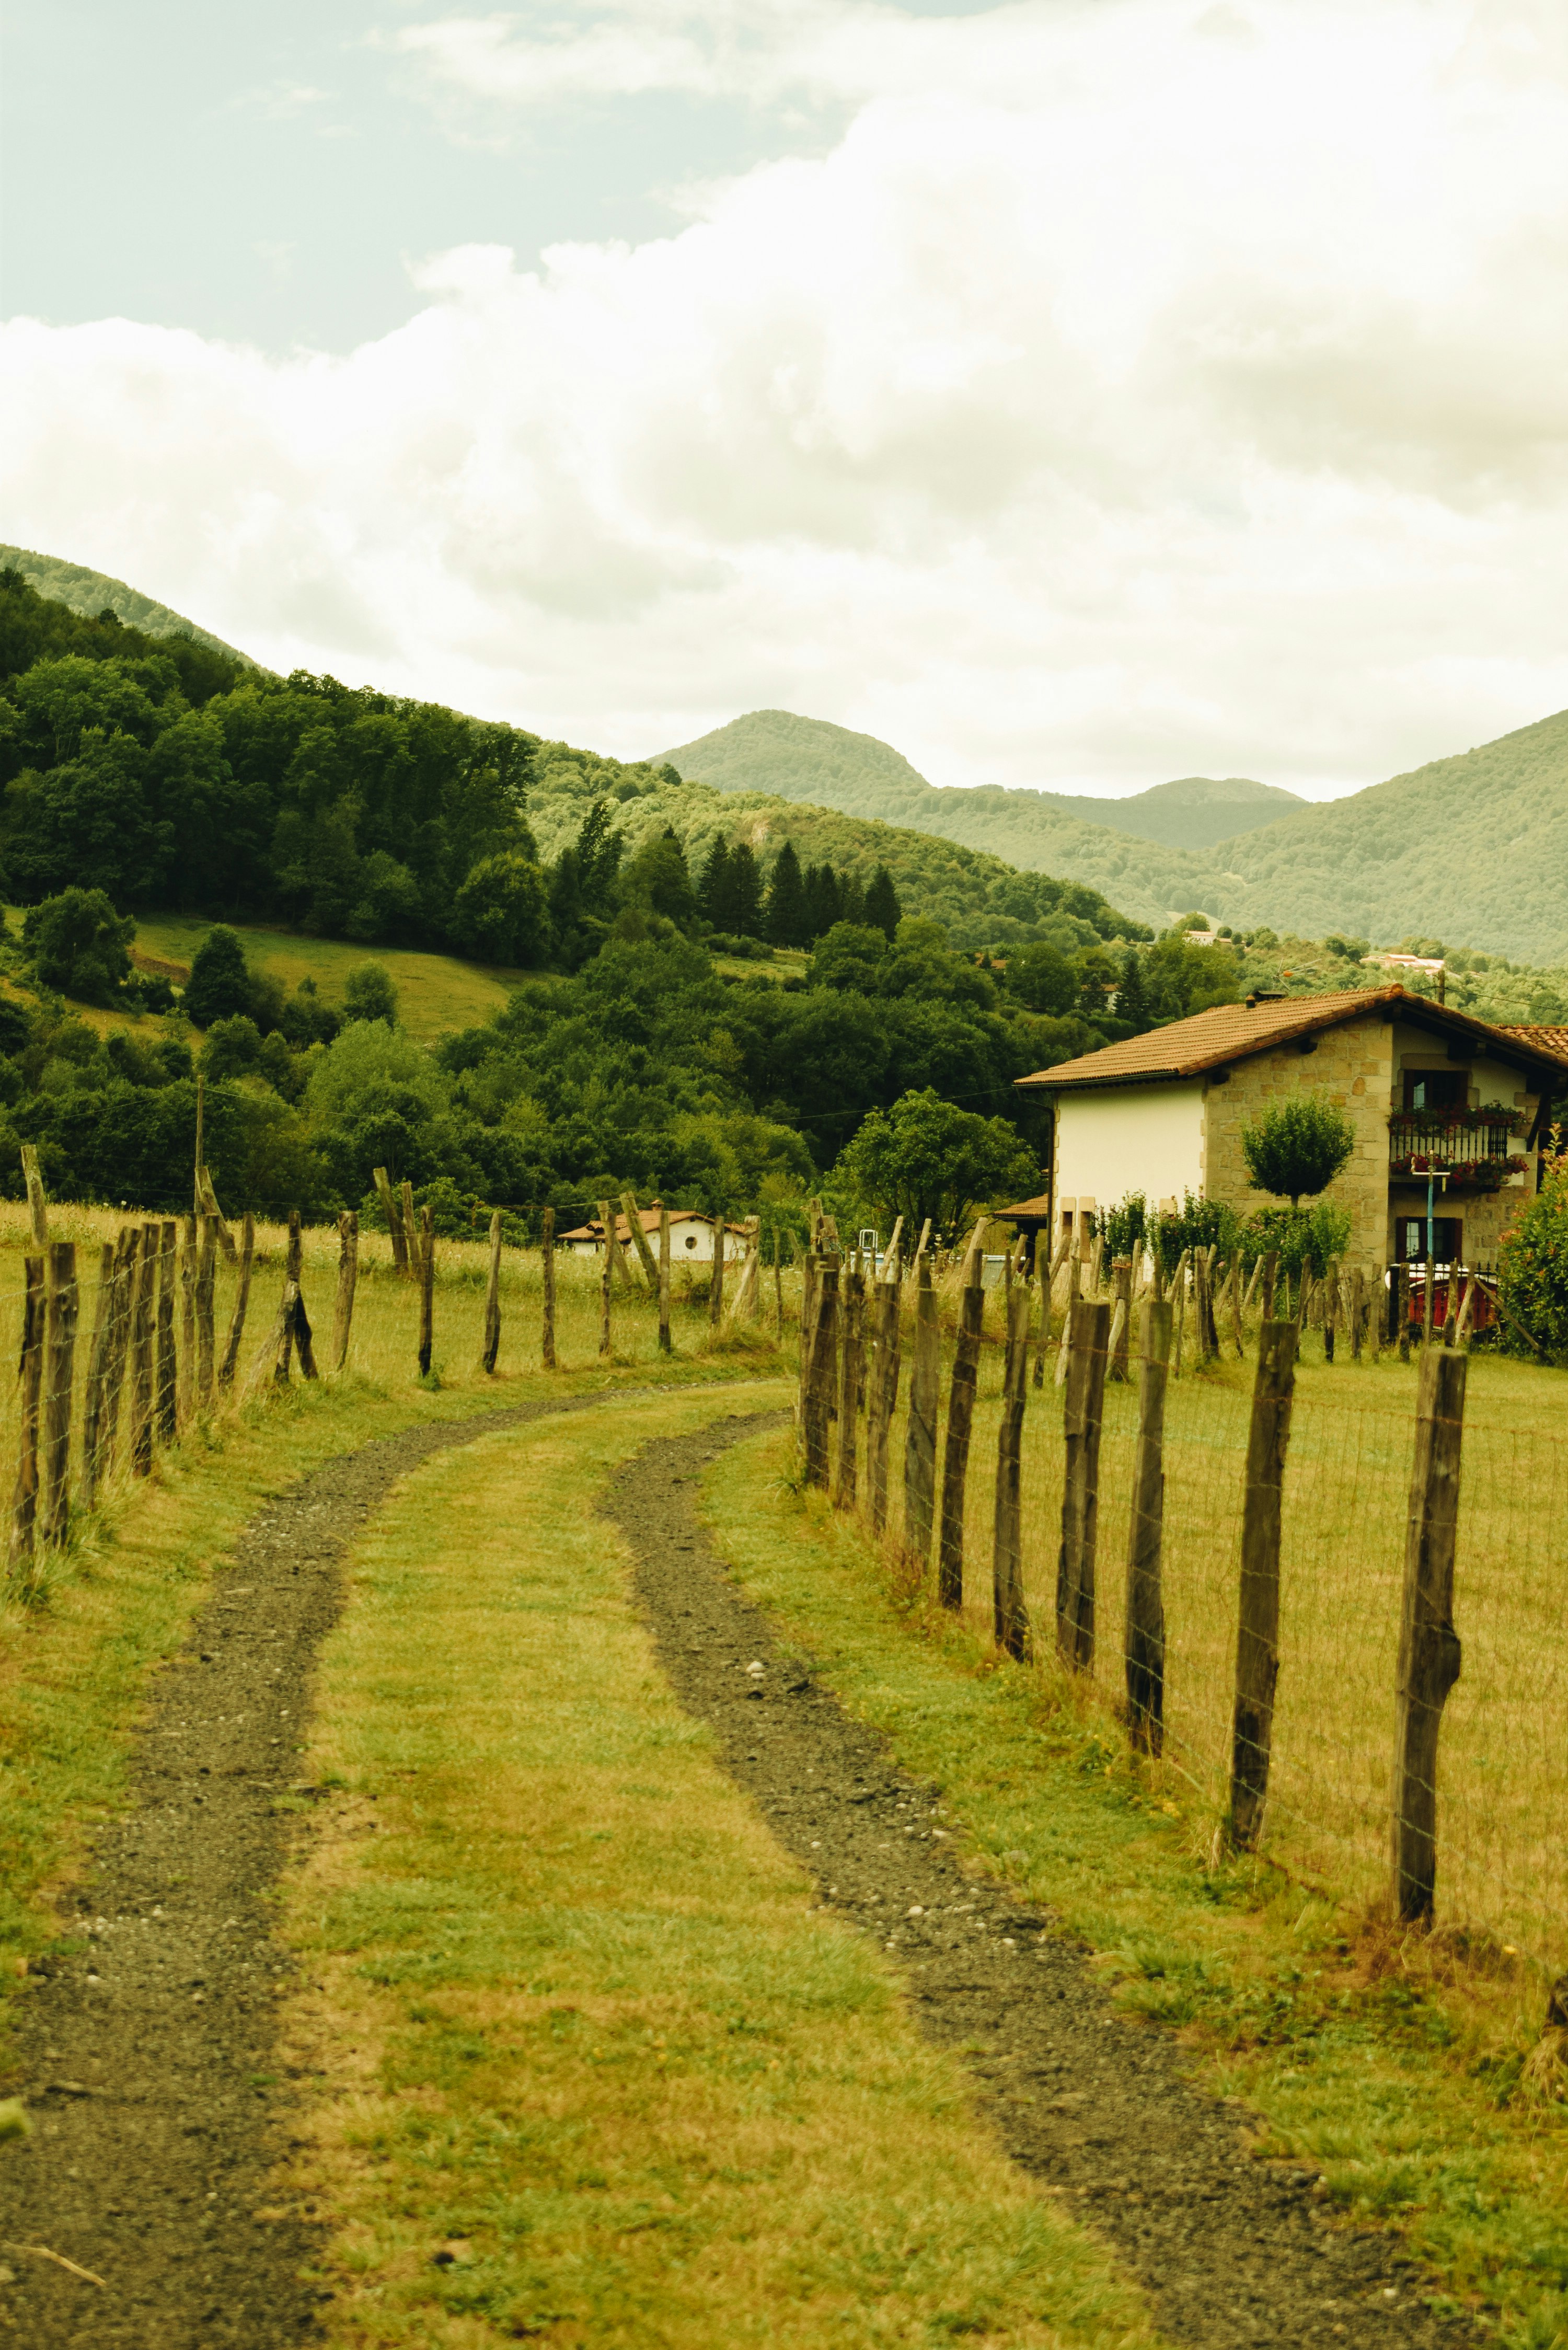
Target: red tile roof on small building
[(1233, 1032)]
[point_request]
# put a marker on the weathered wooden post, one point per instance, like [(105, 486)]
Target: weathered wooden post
[(411, 1227), (394, 1215), (97, 1364), (1430, 1654), (38, 1205), (1271, 1275), (241, 1300), (348, 1283), (547, 1286), (127, 1251), (1257, 1633), (747, 1306), (141, 1348), (427, 1288), (210, 1206), (884, 1396), (1357, 1311), (493, 1298), (292, 1265), (168, 1384), (1330, 1310), (822, 1358), (664, 1340), (206, 1333), (269, 1354), (716, 1279), (1121, 1295), (962, 1388), (810, 1272), (605, 1272), (920, 1437), (60, 1391), (1083, 1418), (187, 1374), (1402, 1309), (851, 1319), (619, 1269), (1144, 1658), (24, 1494), (1010, 1617), (778, 1292), (639, 1241)]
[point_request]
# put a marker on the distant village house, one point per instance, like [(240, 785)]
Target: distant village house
[(691, 1237)]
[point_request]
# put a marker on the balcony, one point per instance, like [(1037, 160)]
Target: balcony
[(1476, 1150)]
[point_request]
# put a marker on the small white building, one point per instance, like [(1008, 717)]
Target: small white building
[(691, 1237)]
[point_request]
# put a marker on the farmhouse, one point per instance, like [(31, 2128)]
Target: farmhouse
[(690, 1235), (1429, 1090)]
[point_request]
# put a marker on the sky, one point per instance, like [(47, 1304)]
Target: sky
[(1073, 393)]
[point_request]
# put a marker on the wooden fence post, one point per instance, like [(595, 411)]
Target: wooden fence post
[(1144, 1658), (347, 1282), (920, 1438), (97, 1364), (1121, 1295), (241, 1300), (639, 1241), (1402, 1309), (606, 1271), (884, 1397), (60, 1391), (30, 1371), (206, 1333), (410, 1228), (810, 1273), (716, 1278), (1258, 1631), (394, 1216), (1428, 1644), (493, 1298), (822, 1358), (778, 1291), (187, 1373), (269, 1353), (293, 1265), (852, 1314), (962, 1390), (141, 1338), (548, 1288), (1357, 1311), (1083, 1414), (168, 1369), (210, 1205), (127, 1250), (37, 1206), (664, 1342), (1010, 1618), (1330, 1309), (427, 1287)]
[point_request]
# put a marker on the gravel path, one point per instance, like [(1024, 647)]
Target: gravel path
[(1232, 2253)]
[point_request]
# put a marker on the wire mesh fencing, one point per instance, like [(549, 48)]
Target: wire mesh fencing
[(1349, 1716)]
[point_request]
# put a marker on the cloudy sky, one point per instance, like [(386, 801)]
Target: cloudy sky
[(1074, 392)]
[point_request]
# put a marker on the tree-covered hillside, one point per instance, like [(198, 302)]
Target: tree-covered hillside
[(92, 592), (167, 776)]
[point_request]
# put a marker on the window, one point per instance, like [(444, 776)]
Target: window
[(1447, 1239), (691, 1240), (1436, 1089)]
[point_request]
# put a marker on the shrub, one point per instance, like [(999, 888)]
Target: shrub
[(1297, 1147), (1202, 1224), (219, 987), (1532, 1266), (79, 945), (1314, 1236)]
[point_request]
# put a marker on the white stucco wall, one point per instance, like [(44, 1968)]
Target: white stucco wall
[(1146, 1138)]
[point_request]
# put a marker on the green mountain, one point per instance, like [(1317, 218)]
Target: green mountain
[(1472, 849), (810, 759), (92, 592)]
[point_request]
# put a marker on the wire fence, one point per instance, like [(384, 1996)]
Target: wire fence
[(1343, 1795)]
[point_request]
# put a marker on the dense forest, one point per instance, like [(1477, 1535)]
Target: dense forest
[(167, 774)]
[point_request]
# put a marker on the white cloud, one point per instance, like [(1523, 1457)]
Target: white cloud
[(1132, 391)]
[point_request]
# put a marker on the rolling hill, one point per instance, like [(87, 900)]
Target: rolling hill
[(91, 592), (1472, 849)]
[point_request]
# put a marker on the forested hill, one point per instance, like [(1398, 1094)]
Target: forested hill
[(92, 592), (168, 775), (1472, 849)]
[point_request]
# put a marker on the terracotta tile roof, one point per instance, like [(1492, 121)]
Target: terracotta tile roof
[(1232, 1032), (1545, 1040)]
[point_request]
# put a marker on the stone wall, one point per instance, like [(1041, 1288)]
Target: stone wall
[(1353, 1066)]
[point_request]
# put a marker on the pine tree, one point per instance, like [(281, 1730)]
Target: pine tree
[(822, 900), (1132, 996), (851, 898), (787, 921), (883, 911), (745, 898), (713, 888)]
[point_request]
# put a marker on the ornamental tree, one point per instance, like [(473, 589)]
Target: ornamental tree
[(1297, 1147)]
